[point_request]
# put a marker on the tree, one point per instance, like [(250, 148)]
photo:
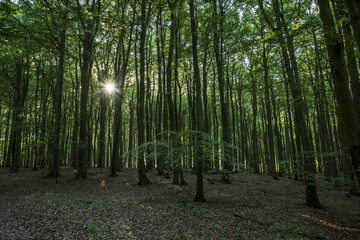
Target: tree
[(339, 74), (199, 197), (353, 8), (15, 63), (225, 122), (288, 54), (269, 116), (89, 17), (145, 14), (121, 64), (61, 24)]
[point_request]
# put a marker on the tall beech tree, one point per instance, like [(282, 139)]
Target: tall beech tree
[(199, 109), (173, 115), (286, 41), (335, 49), (89, 17), (60, 45), (269, 118), (145, 7), (225, 120), (121, 64), (19, 81)]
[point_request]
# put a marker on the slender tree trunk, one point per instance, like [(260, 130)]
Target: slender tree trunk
[(90, 26), (143, 180), (101, 140), (233, 115), (42, 136), (293, 159), (85, 84), (75, 129), (266, 167), (149, 162), (215, 125), (170, 102), (55, 163), (270, 132), (37, 118), (225, 122), (199, 196), (131, 126), (279, 146), (118, 105), (254, 160), (159, 157), (90, 124), (6, 163)]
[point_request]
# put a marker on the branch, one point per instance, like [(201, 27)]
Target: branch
[(266, 17)]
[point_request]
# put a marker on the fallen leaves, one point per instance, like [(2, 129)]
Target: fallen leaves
[(100, 207)]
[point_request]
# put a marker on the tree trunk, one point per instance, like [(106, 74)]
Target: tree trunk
[(254, 160), (199, 196), (159, 157), (270, 132), (101, 140), (85, 83), (131, 126), (143, 180), (353, 7), (20, 87), (225, 122), (277, 129), (288, 53), (340, 77), (5, 156), (55, 163)]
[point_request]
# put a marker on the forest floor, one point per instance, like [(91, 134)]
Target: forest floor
[(103, 207)]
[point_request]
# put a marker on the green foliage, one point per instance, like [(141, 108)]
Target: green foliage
[(69, 216), (178, 144)]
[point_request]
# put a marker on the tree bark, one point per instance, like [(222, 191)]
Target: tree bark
[(288, 53), (199, 195), (340, 77), (89, 25), (159, 157), (353, 7), (55, 163), (225, 122), (143, 180), (270, 132)]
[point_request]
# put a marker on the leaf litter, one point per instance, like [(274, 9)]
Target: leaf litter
[(103, 207)]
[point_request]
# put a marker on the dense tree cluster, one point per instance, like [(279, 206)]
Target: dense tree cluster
[(267, 86)]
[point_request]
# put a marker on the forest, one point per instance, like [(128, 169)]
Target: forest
[(118, 117)]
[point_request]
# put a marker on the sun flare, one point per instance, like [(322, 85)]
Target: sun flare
[(109, 87)]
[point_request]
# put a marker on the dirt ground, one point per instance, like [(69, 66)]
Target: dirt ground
[(103, 207)]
